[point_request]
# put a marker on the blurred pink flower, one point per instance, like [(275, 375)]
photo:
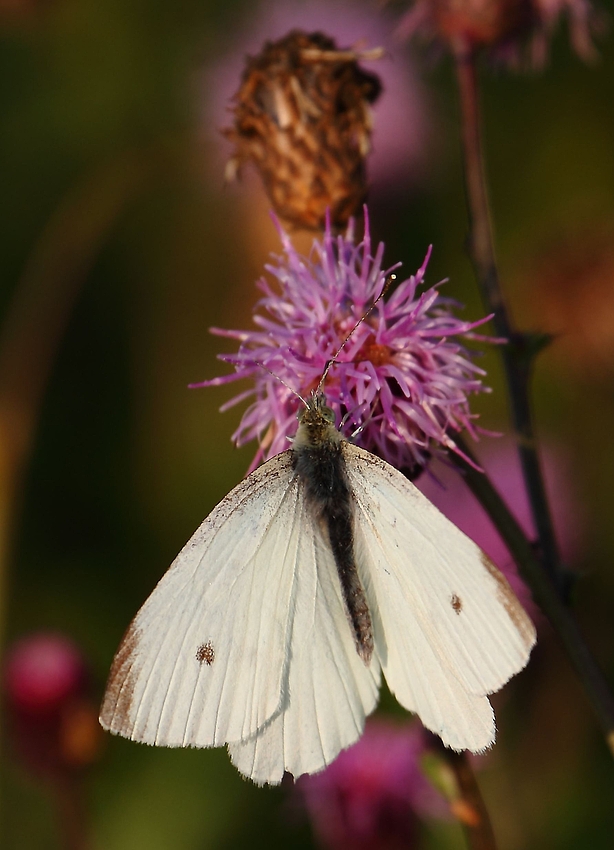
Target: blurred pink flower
[(584, 21), (374, 794), (52, 722), (401, 378), (516, 32), (401, 134)]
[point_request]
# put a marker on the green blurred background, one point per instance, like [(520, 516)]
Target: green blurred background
[(122, 246)]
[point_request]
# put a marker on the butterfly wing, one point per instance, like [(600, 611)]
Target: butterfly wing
[(330, 691), (448, 628), (246, 640), (204, 661)]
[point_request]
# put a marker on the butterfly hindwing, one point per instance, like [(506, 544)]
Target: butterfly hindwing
[(450, 629), (330, 690)]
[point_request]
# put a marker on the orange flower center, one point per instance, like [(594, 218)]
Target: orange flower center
[(377, 353)]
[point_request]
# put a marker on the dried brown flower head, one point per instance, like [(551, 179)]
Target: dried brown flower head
[(302, 116)]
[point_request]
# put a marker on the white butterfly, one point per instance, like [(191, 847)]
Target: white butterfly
[(322, 569)]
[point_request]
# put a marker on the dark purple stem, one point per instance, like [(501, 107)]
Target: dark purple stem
[(517, 354)]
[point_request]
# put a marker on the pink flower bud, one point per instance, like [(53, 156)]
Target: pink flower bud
[(51, 722)]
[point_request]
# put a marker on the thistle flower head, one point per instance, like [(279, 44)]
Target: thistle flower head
[(517, 33), (402, 379), (375, 794)]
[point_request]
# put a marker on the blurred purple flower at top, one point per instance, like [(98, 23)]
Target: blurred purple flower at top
[(401, 133), (52, 722), (402, 377), (447, 490), (373, 796), (516, 32), (584, 20)]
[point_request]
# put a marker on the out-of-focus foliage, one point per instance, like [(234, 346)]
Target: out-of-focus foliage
[(113, 208)]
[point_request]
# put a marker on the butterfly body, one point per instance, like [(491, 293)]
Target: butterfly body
[(319, 461), (322, 569)]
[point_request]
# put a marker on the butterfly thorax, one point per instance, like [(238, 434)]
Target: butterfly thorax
[(318, 458)]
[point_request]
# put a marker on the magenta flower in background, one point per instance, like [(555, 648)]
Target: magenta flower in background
[(52, 723), (374, 794), (404, 377), (41, 671), (401, 132), (584, 22)]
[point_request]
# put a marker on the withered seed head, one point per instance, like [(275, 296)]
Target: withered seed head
[(303, 117)]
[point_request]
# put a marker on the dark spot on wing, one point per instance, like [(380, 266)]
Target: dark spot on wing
[(456, 603), (205, 654)]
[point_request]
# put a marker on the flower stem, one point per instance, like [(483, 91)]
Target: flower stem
[(466, 801), (72, 813), (545, 593), (519, 352)]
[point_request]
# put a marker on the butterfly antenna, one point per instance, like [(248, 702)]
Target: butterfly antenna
[(387, 284), (281, 381)]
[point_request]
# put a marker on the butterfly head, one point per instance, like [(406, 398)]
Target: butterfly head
[(316, 422)]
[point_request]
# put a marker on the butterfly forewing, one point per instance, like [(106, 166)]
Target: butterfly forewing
[(450, 629), (204, 660)]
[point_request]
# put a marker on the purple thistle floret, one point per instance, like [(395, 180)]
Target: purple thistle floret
[(402, 380), (375, 794)]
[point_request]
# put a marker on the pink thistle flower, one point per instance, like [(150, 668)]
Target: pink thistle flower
[(374, 794), (584, 21), (516, 32), (402, 379)]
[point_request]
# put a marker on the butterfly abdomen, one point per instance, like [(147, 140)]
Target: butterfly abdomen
[(319, 463)]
